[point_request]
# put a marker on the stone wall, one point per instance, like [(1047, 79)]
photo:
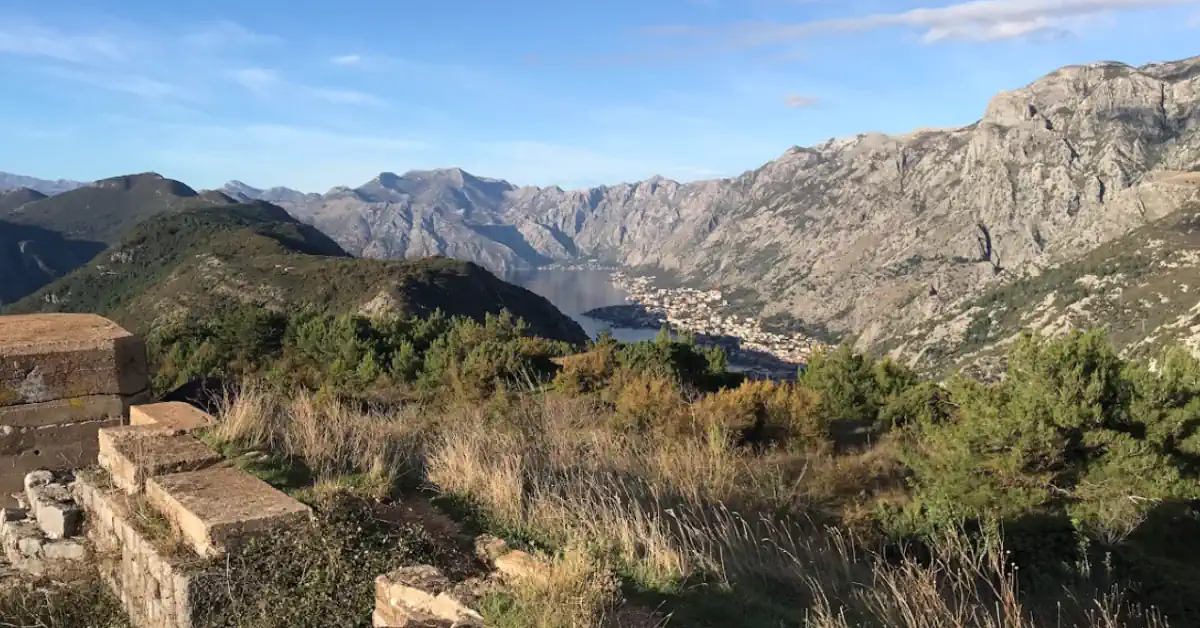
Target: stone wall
[(198, 506), (62, 377), (157, 587), (161, 508)]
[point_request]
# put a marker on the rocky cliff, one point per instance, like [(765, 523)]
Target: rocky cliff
[(869, 235)]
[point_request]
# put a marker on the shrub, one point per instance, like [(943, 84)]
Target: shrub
[(764, 412)]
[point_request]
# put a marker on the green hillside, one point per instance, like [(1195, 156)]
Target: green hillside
[(107, 209), (198, 262)]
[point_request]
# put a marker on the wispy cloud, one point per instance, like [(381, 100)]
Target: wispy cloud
[(259, 80), (269, 83), (978, 20), (346, 60), (225, 33), (346, 97), (799, 101), (129, 58), (32, 40), (132, 84)]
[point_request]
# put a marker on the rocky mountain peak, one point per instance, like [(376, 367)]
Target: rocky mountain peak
[(1103, 92)]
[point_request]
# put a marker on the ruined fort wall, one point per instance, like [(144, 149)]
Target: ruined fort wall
[(62, 378)]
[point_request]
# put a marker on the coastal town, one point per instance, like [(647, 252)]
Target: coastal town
[(705, 313)]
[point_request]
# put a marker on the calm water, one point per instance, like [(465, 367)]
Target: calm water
[(577, 291), (574, 292)]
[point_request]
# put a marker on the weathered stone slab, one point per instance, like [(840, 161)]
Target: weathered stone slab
[(419, 596), (219, 507), (158, 590), (135, 453), (55, 447), (170, 414), (73, 410), (46, 357)]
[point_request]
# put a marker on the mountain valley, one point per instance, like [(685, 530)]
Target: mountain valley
[(865, 237), (868, 238)]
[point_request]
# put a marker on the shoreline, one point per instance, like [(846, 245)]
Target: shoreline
[(705, 314)]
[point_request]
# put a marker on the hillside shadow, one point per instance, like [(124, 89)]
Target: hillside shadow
[(32, 257)]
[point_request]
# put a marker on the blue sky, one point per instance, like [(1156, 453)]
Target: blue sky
[(312, 93)]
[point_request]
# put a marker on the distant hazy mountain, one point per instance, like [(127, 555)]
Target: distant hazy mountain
[(11, 181), (870, 235), (193, 262), (243, 192)]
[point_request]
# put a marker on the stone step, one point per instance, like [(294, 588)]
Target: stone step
[(157, 588), (171, 414), (218, 508), (134, 453)]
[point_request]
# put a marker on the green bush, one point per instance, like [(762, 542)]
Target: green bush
[(354, 355)]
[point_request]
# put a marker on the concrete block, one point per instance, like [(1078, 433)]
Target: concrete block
[(73, 410), (170, 414), (44, 357), (134, 453), (219, 507)]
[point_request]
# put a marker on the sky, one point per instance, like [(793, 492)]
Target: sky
[(311, 94)]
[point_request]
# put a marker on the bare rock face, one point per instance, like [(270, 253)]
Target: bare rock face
[(867, 235)]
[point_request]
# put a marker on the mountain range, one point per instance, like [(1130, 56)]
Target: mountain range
[(869, 237)]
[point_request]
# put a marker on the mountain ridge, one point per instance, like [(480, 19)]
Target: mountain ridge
[(199, 261), (866, 235)]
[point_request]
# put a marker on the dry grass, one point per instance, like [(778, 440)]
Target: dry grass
[(667, 512), (332, 439), (575, 590)]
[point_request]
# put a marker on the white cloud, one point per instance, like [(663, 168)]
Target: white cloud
[(31, 40), (345, 96), (268, 82), (800, 101), (977, 20), (132, 84), (346, 60), (224, 33), (255, 79)]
